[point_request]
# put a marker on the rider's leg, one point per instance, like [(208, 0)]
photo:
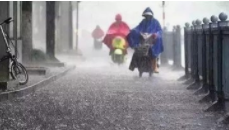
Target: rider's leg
[(154, 65), (158, 61)]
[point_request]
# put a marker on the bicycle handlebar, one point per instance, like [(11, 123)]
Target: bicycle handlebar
[(7, 21)]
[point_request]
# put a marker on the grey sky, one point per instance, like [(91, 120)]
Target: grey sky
[(178, 12)]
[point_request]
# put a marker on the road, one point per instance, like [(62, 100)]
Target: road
[(98, 95)]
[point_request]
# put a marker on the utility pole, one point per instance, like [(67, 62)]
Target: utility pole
[(163, 57), (77, 24), (163, 13)]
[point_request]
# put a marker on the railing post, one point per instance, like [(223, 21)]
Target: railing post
[(164, 59), (189, 43), (216, 90), (177, 48), (208, 29), (186, 52), (174, 44), (192, 51), (224, 90), (214, 43), (186, 49), (222, 62), (201, 56), (194, 68), (205, 53)]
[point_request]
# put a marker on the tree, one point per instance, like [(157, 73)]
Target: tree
[(50, 29), (27, 45), (70, 26)]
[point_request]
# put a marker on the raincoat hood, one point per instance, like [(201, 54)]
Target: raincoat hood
[(118, 28), (118, 17), (147, 11), (147, 26), (97, 33)]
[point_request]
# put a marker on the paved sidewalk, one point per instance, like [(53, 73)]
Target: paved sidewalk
[(15, 90)]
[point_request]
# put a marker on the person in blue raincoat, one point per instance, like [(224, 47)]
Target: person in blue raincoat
[(148, 25)]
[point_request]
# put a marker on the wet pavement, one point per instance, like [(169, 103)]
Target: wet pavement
[(99, 95)]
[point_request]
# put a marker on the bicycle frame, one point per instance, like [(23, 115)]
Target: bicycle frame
[(13, 63), (8, 55), (5, 38)]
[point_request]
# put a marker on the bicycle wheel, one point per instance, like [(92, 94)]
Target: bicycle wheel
[(19, 72)]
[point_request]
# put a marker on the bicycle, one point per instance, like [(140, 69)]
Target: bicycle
[(16, 68)]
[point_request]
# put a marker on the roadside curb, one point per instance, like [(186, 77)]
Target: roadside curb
[(32, 88)]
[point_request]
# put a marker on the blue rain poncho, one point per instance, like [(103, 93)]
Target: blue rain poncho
[(147, 26)]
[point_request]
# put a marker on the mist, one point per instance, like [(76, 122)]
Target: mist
[(176, 13), (102, 13), (62, 75)]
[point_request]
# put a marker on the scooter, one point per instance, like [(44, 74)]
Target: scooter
[(98, 44), (118, 56), (143, 54)]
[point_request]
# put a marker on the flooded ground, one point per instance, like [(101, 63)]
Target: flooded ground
[(99, 95)]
